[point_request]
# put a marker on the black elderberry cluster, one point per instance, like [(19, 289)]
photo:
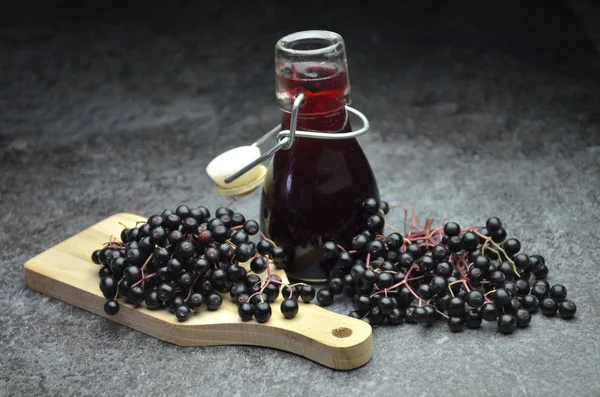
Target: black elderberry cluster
[(464, 276), (186, 260)]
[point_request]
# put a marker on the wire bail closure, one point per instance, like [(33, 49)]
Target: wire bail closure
[(285, 138)]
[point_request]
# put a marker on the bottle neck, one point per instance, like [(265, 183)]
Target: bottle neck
[(333, 122)]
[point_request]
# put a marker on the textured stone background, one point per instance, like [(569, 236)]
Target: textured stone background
[(477, 110)]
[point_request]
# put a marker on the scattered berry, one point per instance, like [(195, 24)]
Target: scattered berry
[(307, 293), (183, 313), (289, 308), (530, 303), (558, 292), (475, 299), (262, 312), (523, 318), (567, 309), (371, 206), (456, 324), (548, 306), (324, 297), (507, 323), (246, 311), (111, 307), (473, 318)]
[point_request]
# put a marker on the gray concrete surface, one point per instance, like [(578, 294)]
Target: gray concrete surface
[(477, 110)]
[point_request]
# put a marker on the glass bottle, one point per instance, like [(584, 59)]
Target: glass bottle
[(313, 191)]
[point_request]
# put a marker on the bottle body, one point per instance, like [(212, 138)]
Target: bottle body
[(313, 193)]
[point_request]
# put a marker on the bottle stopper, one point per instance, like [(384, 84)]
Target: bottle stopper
[(228, 163)]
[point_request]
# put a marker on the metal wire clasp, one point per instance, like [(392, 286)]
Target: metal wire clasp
[(286, 138)]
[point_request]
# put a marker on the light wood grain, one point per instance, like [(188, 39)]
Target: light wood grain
[(66, 272)]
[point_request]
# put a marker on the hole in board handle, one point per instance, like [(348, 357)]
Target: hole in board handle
[(341, 332)]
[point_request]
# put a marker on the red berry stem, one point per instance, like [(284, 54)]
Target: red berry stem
[(391, 228), (195, 280), (499, 250), (463, 282), (269, 280), (265, 238), (457, 263), (144, 279), (232, 202), (414, 219)]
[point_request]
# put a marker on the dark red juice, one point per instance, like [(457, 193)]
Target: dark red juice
[(313, 191), (325, 87)]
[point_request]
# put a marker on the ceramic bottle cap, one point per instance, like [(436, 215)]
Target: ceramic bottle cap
[(227, 163)]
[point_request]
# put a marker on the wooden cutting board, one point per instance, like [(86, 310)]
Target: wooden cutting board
[(66, 272)]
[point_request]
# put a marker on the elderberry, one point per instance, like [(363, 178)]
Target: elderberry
[(507, 324), (567, 309), (262, 312), (183, 260), (289, 308), (111, 307)]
